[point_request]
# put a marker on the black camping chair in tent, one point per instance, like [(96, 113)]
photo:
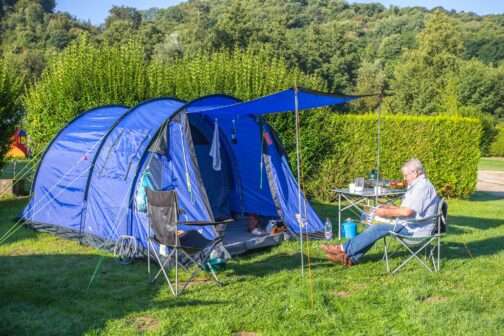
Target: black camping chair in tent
[(171, 250)]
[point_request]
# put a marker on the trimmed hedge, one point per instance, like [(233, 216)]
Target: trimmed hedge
[(338, 148), (497, 147)]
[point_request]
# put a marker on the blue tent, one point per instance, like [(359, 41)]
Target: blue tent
[(218, 153)]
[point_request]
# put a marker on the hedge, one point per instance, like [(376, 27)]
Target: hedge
[(337, 148), (497, 147)]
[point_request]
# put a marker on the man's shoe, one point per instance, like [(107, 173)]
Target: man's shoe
[(340, 258), (332, 249)]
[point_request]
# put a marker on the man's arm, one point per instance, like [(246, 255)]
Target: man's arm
[(394, 211)]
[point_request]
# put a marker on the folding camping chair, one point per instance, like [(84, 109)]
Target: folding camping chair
[(171, 250), (430, 244)]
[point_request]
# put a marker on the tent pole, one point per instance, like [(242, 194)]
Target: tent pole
[(378, 145), (298, 164)]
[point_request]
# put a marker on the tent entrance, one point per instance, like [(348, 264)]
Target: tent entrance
[(221, 187), (238, 240), (219, 184)]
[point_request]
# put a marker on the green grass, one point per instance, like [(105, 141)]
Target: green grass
[(44, 291), (491, 164)]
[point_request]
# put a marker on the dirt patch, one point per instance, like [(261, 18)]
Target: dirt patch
[(436, 299), (145, 323), (245, 333), (342, 294)]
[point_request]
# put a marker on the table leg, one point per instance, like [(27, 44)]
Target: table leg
[(339, 216)]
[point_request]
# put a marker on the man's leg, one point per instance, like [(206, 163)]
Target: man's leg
[(355, 248)]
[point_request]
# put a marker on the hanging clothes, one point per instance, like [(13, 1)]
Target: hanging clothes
[(215, 148)]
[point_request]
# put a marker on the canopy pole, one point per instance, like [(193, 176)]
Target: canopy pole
[(299, 215), (378, 136)]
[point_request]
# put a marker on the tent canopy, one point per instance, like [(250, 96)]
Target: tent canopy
[(283, 101)]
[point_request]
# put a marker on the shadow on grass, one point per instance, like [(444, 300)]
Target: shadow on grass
[(482, 196), (275, 263), (449, 250), (456, 224), (53, 291), (473, 249)]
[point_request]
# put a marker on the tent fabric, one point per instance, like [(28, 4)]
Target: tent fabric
[(283, 101), (107, 198), (89, 182), (60, 181), (255, 198), (285, 191)]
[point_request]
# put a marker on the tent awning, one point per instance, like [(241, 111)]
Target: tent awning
[(283, 101)]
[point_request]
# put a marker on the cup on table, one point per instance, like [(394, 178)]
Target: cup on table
[(378, 189), (359, 184), (351, 187)]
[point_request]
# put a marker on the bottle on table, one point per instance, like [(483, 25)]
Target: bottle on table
[(328, 233)]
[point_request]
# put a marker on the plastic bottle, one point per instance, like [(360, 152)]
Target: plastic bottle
[(328, 233), (214, 254)]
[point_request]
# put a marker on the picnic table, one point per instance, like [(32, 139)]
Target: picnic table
[(368, 197)]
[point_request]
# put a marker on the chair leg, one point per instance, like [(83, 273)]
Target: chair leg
[(176, 272), (438, 253), (162, 270), (414, 255), (386, 255), (213, 274), (148, 258)]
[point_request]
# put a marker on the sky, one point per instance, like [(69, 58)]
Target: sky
[(97, 10)]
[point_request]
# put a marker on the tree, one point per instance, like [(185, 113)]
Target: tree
[(422, 73)]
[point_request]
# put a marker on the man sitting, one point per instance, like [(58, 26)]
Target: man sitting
[(419, 202)]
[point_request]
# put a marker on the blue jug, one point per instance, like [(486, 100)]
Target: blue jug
[(349, 228)]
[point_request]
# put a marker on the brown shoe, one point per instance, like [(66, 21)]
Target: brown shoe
[(340, 258), (332, 249)]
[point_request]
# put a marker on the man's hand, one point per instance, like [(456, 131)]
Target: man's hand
[(394, 211)]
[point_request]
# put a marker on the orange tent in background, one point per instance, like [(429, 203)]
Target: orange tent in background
[(18, 148)]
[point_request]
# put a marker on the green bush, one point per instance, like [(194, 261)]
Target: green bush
[(338, 148), (83, 76), (87, 75), (497, 147)]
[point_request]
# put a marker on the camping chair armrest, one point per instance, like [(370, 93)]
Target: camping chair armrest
[(416, 221), (410, 236)]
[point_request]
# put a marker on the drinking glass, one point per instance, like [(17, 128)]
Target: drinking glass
[(359, 184)]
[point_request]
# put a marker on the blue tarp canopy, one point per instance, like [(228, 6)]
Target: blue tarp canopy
[(283, 101)]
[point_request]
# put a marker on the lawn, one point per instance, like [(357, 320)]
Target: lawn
[(45, 288), (491, 164)]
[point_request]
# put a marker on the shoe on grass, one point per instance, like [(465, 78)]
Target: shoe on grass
[(332, 249)]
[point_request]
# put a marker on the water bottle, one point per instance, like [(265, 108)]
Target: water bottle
[(328, 234), (214, 255), (366, 218)]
